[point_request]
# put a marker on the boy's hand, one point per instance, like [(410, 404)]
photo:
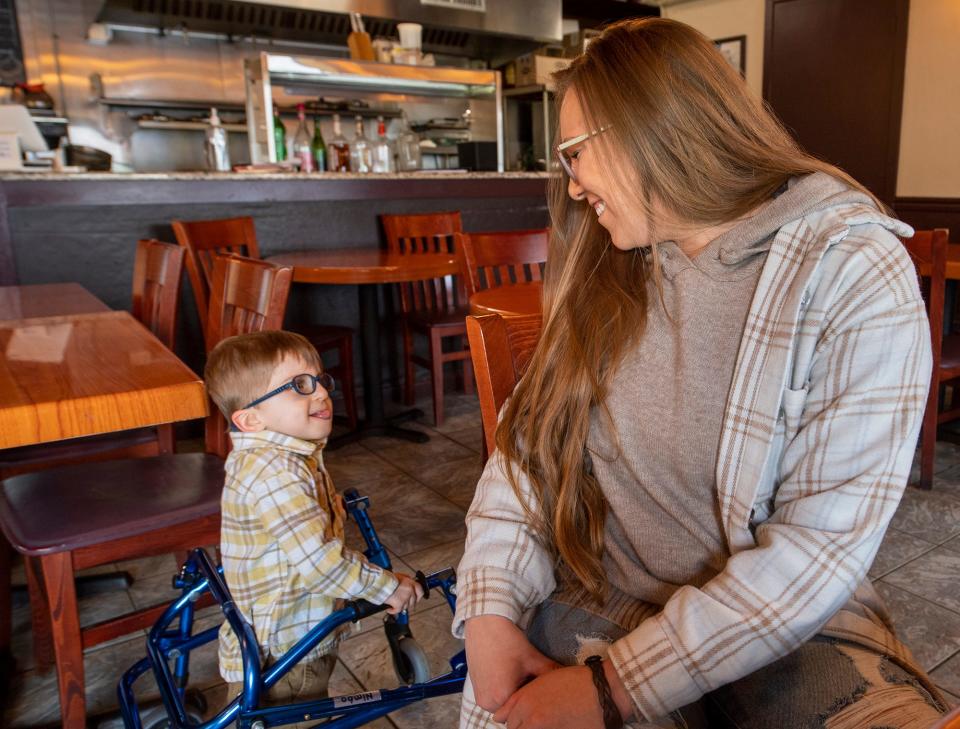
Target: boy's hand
[(407, 594)]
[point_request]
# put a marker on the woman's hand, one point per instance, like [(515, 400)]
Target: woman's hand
[(562, 698), (501, 659)]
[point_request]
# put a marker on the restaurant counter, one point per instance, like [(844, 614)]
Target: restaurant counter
[(84, 227)]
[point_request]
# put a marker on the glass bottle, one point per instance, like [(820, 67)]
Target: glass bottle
[(317, 147), (301, 142), (215, 145), (339, 157), (382, 149), (279, 135), (361, 151), (408, 147)]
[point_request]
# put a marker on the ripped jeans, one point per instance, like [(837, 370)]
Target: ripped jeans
[(825, 683)]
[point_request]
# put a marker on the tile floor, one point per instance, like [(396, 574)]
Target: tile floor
[(419, 495)]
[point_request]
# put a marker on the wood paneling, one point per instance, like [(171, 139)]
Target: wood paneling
[(833, 72), (927, 213)]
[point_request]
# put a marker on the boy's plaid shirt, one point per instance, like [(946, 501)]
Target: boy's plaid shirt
[(819, 434), (281, 542)]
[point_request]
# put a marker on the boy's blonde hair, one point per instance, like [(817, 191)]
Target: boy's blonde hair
[(239, 368)]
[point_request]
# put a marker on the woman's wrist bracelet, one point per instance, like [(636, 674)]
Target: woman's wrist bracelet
[(611, 714)]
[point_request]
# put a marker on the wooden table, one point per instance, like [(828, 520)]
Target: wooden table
[(89, 373), (511, 300), (30, 302), (366, 268)]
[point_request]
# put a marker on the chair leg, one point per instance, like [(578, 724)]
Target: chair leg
[(436, 375), (43, 653), (58, 579), (165, 439), (928, 438), (6, 607), (349, 394), (468, 383), (408, 372)]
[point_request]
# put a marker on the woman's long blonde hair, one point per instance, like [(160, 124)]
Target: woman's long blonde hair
[(707, 152)]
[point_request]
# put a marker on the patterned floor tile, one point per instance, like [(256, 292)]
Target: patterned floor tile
[(409, 517), (932, 576), (897, 549), (928, 515), (947, 675), (454, 480), (931, 632)]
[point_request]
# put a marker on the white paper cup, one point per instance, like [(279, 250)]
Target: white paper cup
[(410, 34)]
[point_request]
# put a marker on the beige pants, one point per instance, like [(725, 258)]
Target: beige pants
[(307, 681)]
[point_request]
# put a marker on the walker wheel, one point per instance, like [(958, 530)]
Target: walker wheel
[(413, 666)]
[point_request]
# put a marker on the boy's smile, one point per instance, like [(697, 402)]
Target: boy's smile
[(308, 417)]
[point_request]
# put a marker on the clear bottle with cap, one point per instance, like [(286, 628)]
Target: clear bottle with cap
[(382, 149), (215, 145), (361, 151), (301, 142), (408, 147), (339, 149)]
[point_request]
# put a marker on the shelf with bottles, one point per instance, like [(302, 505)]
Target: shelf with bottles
[(303, 75)]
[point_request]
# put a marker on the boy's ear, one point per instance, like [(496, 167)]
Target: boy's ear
[(247, 421)]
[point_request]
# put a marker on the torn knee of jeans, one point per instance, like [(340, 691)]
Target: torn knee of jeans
[(898, 676)]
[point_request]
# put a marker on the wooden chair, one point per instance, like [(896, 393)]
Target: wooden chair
[(928, 249), (156, 291), (434, 307), (81, 516), (501, 348), (503, 258), (205, 239)]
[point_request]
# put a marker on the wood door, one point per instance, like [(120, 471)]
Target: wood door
[(833, 73)]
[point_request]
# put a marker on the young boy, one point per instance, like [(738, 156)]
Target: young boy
[(281, 539)]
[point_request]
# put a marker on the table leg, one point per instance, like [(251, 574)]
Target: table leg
[(375, 423)]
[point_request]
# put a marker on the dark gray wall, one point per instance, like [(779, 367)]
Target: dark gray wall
[(86, 232)]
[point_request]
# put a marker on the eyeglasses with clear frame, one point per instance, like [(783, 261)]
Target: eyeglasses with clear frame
[(566, 159), (305, 384)]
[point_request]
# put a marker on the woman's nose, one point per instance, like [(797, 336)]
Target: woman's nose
[(574, 189)]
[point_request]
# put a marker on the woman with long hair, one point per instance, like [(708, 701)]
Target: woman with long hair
[(694, 475)]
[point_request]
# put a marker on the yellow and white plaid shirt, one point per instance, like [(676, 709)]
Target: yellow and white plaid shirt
[(281, 543)]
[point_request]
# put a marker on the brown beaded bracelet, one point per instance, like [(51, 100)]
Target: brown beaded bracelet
[(611, 714)]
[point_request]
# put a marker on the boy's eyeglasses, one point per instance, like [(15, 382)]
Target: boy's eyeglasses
[(304, 384), (566, 160)]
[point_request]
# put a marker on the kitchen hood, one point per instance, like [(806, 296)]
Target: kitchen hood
[(494, 30)]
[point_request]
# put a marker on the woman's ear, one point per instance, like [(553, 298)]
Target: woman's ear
[(247, 421)]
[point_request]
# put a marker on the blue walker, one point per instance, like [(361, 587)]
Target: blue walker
[(166, 645)]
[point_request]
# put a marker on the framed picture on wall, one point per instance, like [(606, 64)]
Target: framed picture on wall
[(734, 49)]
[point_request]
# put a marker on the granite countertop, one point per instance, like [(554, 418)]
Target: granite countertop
[(288, 176)]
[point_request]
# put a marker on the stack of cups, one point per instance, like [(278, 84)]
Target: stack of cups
[(410, 43)]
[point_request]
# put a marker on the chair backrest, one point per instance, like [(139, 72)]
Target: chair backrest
[(204, 240), (157, 269), (247, 295), (928, 249), (501, 348), (426, 233), (502, 258)]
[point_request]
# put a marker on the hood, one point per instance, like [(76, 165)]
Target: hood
[(802, 196), (494, 30)]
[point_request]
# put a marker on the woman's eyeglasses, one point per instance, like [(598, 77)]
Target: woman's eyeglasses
[(304, 384), (568, 157)]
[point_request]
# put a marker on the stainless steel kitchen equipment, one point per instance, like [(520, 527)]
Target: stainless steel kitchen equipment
[(402, 83)]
